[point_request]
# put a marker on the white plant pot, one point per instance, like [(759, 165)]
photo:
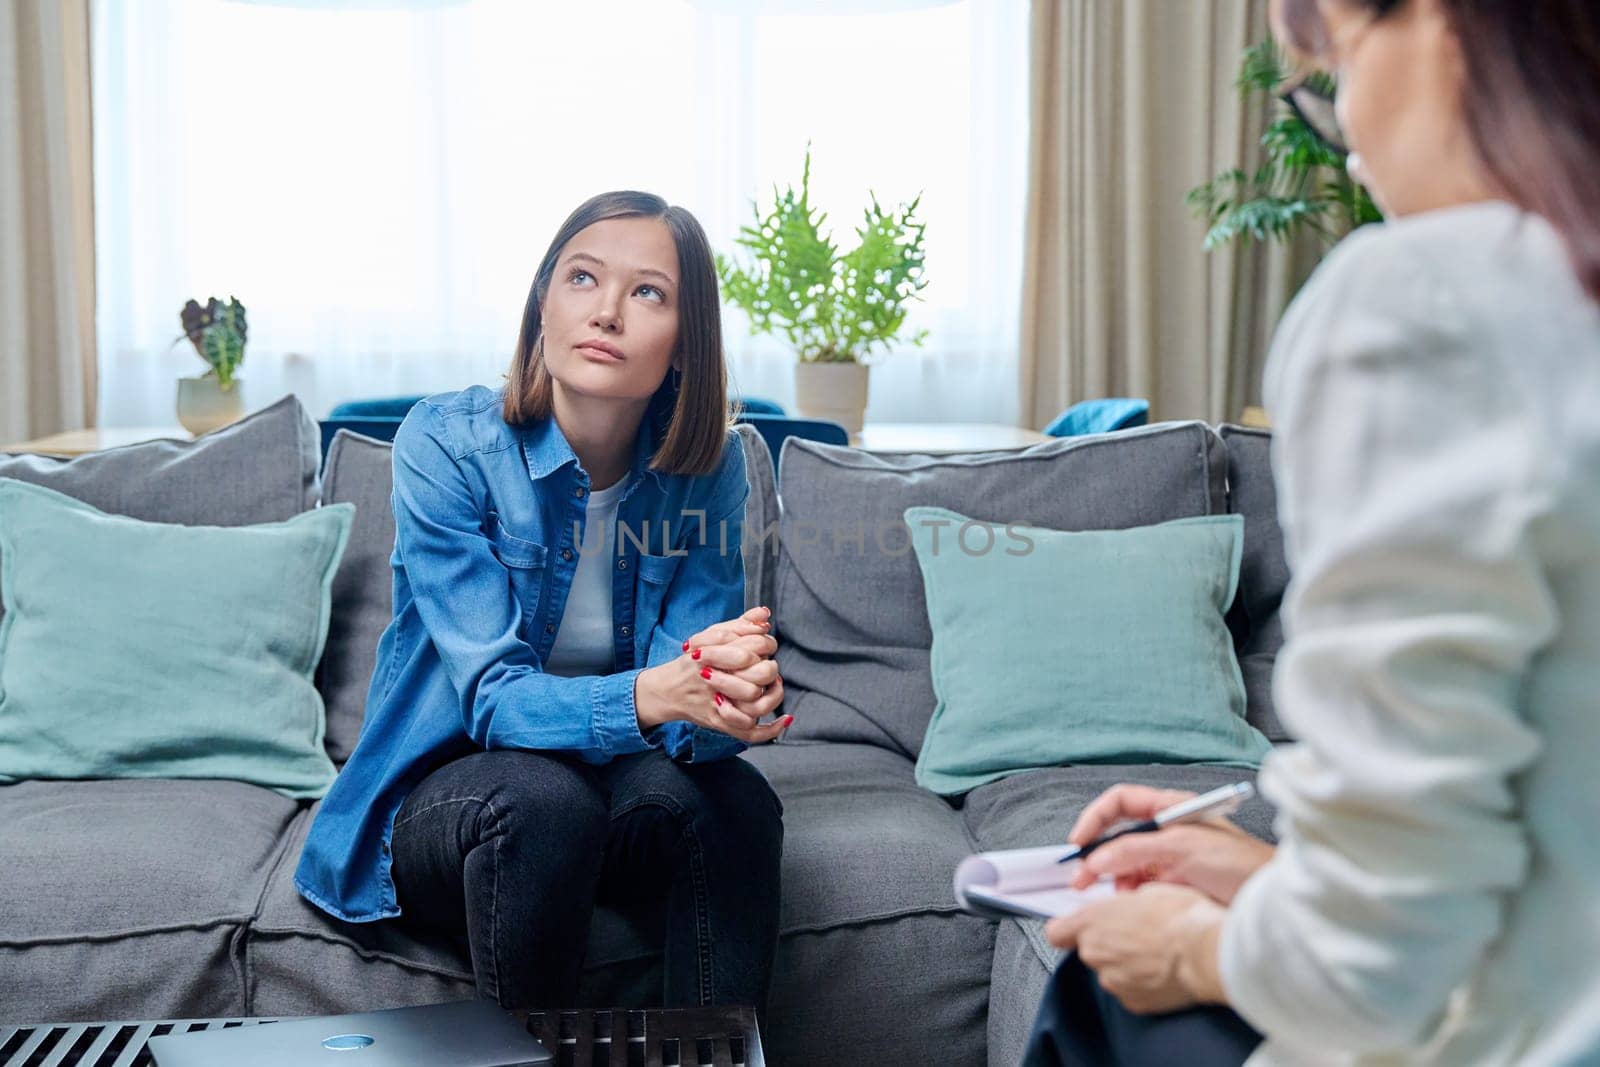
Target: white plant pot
[(203, 405), (833, 391)]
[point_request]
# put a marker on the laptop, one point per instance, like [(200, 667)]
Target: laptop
[(467, 1033)]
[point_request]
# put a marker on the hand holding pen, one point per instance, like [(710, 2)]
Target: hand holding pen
[(1115, 837)]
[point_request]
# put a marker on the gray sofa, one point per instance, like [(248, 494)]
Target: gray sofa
[(123, 899)]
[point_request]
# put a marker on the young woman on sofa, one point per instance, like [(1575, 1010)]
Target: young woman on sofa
[(1436, 395), (569, 667)]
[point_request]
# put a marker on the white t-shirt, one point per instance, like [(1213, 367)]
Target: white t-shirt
[(583, 637)]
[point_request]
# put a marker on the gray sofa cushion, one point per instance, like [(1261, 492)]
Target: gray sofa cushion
[(851, 618), (1016, 988), (874, 956), (873, 951), (151, 881), (358, 471), (861, 840), (760, 543), (301, 961), (263, 468), (1263, 574)]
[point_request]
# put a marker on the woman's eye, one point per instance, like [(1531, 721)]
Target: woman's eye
[(650, 292), (579, 276)]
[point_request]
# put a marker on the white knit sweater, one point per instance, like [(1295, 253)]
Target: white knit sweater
[(1436, 896)]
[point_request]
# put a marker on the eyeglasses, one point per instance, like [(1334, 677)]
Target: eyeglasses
[(1310, 93), (1312, 104)]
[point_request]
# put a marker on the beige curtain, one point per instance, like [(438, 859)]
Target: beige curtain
[(47, 345), (1133, 104)]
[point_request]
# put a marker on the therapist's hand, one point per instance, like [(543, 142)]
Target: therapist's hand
[(1215, 857), (1154, 949)]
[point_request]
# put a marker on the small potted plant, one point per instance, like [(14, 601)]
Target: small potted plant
[(217, 331), (834, 307)]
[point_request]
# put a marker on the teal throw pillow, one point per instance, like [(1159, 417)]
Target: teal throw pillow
[(1054, 647), (133, 649)]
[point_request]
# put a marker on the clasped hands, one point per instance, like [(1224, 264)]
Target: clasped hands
[(1154, 945), (725, 680)]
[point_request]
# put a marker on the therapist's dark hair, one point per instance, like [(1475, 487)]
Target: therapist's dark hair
[(1532, 102), (689, 413)]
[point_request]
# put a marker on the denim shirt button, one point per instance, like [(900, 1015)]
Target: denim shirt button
[(622, 564), (566, 553), (627, 631), (549, 627), (579, 492)]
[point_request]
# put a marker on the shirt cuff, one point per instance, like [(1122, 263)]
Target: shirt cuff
[(615, 716)]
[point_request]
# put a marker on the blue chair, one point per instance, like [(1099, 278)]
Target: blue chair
[(383, 428), (381, 408), (774, 428), (756, 405), (1100, 416)]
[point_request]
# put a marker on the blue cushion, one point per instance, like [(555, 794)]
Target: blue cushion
[(756, 405), (394, 407), (775, 428), (378, 428), (1100, 416)]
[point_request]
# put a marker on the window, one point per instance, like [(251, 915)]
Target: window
[(377, 182)]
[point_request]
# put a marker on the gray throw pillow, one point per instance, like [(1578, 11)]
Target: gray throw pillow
[(851, 616), (263, 468)]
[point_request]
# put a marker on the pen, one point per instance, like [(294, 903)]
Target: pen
[(1218, 802)]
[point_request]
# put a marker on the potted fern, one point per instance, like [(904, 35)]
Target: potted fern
[(217, 331), (834, 307)]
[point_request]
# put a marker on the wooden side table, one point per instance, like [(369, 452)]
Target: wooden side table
[(79, 442)]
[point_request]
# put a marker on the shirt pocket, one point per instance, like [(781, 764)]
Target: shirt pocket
[(650, 594), (524, 562)]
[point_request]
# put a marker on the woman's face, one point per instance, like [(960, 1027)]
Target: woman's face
[(610, 317), (1400, 80)]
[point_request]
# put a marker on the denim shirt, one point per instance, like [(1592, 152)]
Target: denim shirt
[(488, 523)]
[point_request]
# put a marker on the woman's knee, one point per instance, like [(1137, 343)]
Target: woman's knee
[(530, 792), (738, 798)]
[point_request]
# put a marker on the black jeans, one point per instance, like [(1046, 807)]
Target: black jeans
[(1080, 1023), (515, 848)]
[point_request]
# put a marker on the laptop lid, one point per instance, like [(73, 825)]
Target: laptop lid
[(467, 1033)]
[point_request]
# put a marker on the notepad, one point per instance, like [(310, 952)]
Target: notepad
[(1026, 882)]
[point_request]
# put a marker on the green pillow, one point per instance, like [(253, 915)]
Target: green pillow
[(134, 649), (1053, 648)]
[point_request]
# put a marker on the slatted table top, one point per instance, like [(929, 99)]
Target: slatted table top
[(620, 1037)]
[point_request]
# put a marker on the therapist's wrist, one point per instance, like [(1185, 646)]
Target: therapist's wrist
[(1199, 970)]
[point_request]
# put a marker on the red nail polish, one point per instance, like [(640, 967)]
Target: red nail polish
[(719, 700), (695, 654), (788, 721), (705, 672), (686, 646)]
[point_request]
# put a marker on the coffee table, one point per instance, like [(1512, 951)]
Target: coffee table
[(618, 1037)]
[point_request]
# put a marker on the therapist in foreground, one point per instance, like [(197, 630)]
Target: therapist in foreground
[(1435, 893)]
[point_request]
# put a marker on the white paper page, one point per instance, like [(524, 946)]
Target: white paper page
[(1029, 878)]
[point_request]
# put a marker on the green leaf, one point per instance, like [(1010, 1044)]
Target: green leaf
[(831, 306)]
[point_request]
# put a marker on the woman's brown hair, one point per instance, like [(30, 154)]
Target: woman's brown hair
[(1532, 103), (688, 415)]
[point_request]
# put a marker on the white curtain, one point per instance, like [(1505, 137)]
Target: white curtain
[(378, 182), (47, 347)]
